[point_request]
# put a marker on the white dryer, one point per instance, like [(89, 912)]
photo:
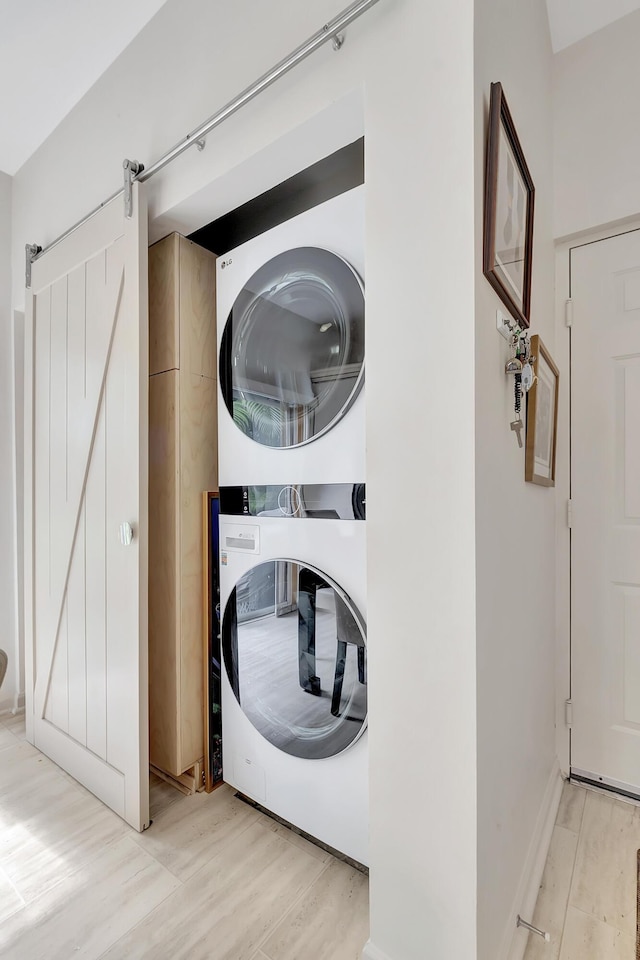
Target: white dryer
[(290, 308), (294, 688)]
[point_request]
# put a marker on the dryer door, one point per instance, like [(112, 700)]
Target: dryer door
[(294, 649), (292, 351)]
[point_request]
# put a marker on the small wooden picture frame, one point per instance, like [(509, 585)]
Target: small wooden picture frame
[(542, 418), (508, 212)]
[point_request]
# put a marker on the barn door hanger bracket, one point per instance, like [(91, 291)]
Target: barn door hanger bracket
[(337, 39), (131, 170), (31, 251)]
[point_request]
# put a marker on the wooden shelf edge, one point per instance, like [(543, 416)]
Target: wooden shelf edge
[(188, 783)]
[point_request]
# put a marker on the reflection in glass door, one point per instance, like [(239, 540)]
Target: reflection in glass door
[(267, 593), (297, 666), (256, 595), (292, 352)]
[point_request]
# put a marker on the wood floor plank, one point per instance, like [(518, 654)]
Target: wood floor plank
[(331, 920), (10, 899), (605, 876), (212, 878), (50, 826), (551, 906), (287, 834), (226, 910), (16, 724), (187, 835), (571, 807), (598, 922), (587, 938), (161, 796), (89, 910), (7, 739)]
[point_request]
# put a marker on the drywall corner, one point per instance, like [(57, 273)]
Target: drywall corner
[(515, 520)]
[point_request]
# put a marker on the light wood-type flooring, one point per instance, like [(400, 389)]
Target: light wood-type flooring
[(587, 900), (212, 879)]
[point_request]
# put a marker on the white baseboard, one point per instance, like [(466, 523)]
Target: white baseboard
[(514, 941), (371, 952)]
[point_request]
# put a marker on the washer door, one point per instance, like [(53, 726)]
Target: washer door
[(292, 351), (294, 649)]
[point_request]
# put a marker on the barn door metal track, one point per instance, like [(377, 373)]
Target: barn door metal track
[(134, 171)]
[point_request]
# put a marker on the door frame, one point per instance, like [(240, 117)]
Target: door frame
[(564, 247)]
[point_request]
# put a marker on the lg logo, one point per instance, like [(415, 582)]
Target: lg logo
[(226, 263)]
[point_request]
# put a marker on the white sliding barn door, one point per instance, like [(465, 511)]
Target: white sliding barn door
[(86, 369)]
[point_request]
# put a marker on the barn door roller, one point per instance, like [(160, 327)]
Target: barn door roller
[(31, 251), (131, 170)]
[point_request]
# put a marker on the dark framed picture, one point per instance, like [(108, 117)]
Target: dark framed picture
[(508, 212), (542, 418)]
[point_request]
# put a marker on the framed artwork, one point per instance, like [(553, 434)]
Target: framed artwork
[(508, 212), (542, 418)]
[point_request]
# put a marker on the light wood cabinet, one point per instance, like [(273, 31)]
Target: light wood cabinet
[(182, 464)]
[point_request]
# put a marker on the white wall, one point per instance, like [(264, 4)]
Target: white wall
[(596, 128), (413, 63), (7, 529), (515, 546)]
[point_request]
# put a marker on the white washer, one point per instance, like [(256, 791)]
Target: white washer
[(294, 687), (290, 308)]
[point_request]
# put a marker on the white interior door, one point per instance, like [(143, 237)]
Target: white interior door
[(605, 490), (86, 384)]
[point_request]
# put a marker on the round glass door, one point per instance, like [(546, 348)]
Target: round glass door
[(294, 649), (292, 351)]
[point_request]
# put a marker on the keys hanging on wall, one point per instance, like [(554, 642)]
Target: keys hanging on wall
[(517, 425), (520, 365)]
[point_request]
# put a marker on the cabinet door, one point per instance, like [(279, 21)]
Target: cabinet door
[(164, 305), (198, 472), (197, 310), (164, 571), (183, 450)]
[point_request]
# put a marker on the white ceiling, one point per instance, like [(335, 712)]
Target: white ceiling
[(51, 53), (571, 20)]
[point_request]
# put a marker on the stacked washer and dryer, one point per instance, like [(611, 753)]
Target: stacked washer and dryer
[(291, 313)]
